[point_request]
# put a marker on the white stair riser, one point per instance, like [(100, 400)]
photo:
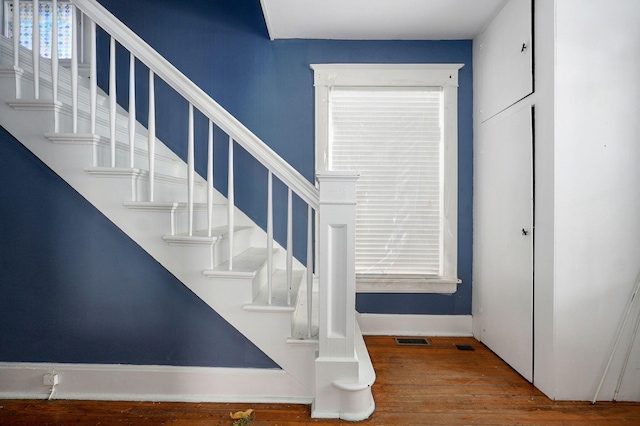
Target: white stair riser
[(241, 242), (200, 220), (9, 80)]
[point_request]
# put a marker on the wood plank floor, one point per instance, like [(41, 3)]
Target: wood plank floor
[(436, 385)]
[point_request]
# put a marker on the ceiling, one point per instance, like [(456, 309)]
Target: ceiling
[(378, 19)]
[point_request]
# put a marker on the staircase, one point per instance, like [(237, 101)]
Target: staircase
[(302, 317)]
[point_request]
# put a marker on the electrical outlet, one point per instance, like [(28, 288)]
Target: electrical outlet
[(51, 379)]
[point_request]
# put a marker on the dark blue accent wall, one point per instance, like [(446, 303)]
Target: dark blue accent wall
[(76, 289), (223, 46)]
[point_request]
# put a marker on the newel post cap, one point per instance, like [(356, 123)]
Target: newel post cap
[(337, 187)]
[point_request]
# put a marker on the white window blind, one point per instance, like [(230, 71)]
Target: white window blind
[(394, 138)]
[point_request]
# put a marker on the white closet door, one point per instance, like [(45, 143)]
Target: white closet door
[(505, 54), (505, 239)]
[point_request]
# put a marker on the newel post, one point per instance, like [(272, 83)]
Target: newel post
[(336, 360)]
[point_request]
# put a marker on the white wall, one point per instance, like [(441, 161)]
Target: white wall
[(544, 244), (587, 193), (597, 190)]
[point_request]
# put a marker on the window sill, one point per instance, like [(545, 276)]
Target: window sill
[(405, 284)]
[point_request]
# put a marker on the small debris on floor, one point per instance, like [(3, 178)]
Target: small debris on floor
[(242, 418), (465, 348)]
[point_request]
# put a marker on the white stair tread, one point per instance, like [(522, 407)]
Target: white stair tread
[(151, 205), (35, 105), (114, 171), (168, 205), (280, 302), (202, 236), (74, 138)]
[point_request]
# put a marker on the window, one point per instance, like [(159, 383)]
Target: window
[(397, 126), (46, 25)]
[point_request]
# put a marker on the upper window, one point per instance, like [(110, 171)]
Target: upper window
[(45, 9), (397, 126)]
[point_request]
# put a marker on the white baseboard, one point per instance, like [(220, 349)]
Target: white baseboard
[(151, 383), (415, 325)]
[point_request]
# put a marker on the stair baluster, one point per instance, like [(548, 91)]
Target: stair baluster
[(74, 68), (289, 244), (54, 50), (16, 33), (93, 77), (210, 179), (230, 203), (270, 238), (132, 110), (112, 99), (81, 55), (35, 49), (152, 134), (190, 169), (309, 269)]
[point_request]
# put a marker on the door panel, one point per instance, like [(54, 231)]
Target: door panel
[(505, 239), (506, 58)]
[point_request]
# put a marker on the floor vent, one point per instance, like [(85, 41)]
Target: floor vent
[(412, 341), (465, 348)]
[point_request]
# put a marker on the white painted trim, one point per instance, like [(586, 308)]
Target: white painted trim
[(394, 75), (267, 19), (445, 76), (36, 105), (415, 325), (327, 76), (399, 284), (151, 383)]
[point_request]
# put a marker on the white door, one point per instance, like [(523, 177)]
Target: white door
[(505, 238)]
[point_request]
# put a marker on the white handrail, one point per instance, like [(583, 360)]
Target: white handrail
[(200, 100)]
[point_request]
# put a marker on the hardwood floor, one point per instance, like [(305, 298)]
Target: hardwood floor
[(436, 385)]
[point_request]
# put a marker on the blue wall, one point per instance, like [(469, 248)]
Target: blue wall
[(75, 289), (223, 46)]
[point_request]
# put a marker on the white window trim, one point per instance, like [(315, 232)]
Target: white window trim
[(445, 76)]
